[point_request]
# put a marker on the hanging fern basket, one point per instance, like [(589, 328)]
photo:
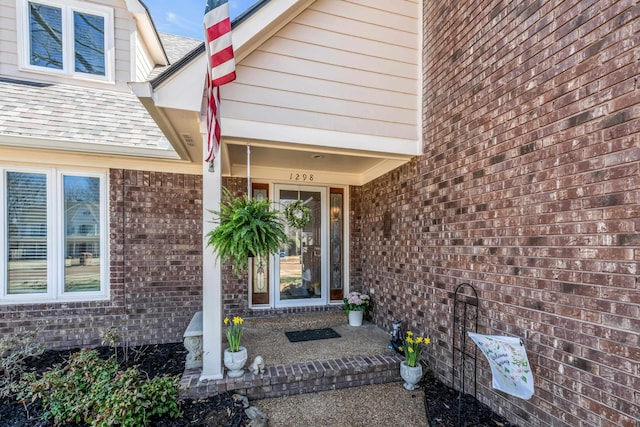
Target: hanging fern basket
[(245, 228), (298, 214)]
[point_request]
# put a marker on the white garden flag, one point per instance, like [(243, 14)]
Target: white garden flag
[(509, 363)]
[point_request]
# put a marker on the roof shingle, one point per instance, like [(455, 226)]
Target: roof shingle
[(176, 47), (77, 114)]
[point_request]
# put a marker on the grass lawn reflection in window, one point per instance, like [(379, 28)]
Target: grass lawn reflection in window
[(82, 233)]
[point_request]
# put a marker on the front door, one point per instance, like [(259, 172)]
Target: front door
[(301, 267)]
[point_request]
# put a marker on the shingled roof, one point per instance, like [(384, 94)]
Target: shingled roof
[(177, 48), (75, 114), (78, 115)]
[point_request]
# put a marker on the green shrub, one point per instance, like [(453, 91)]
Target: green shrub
[(14, 351), (94, 391)]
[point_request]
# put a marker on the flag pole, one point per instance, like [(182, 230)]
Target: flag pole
[(249, 170)]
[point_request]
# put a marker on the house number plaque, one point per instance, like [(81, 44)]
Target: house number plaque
[(299, 176)]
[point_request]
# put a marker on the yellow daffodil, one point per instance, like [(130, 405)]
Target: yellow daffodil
[(234, 332), (412, 347)]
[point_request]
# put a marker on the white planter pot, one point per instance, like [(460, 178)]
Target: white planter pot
[(355, 318), (234, 362), (410, 374)]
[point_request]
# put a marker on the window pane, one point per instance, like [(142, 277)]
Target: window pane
[(27, 233), (82, 234), (89, 43), (45, 29)]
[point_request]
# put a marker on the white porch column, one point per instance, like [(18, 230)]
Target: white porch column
[(211, 277)]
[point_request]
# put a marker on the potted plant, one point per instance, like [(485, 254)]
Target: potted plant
[(235, 356), (355, 304), (246, 228), (410, 369)]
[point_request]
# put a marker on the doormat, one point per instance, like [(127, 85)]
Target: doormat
[(311, 335)]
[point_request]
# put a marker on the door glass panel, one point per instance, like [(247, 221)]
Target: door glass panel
[(260, 280), (260, 265), (336, 201), (301, 258)]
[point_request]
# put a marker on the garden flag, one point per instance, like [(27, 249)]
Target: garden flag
[(509, 364), (221, 67)]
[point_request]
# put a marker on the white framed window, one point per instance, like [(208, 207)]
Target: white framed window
[(54, 227), (66, 38)]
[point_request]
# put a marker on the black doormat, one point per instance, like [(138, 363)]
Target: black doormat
[(312, 334)]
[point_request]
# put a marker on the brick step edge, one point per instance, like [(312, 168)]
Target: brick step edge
[(298, 378)]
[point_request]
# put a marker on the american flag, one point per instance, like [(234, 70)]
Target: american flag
[(221, 67)]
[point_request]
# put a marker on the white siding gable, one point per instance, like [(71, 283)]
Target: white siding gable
[(350, 67), (144, 63), (8, 38)]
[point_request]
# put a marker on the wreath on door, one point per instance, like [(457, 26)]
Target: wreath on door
[(298, 214)]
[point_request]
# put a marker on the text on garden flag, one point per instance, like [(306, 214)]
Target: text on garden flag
[(221, 67), (510, 367)]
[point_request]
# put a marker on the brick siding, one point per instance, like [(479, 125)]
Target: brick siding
[(155, 251), (528, 189)]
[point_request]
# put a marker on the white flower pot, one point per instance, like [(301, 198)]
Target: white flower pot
[(410, 374), (234, 362), (355, 318)]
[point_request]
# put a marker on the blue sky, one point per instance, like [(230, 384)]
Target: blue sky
[(184, 17)]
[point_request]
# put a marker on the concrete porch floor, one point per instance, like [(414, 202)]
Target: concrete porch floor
[(359, 357)]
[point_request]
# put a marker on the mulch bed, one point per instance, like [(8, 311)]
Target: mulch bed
[(443, 410), (154, 360), (441, 401)]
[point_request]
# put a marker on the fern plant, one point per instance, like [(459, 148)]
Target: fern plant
[(246, 228)]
